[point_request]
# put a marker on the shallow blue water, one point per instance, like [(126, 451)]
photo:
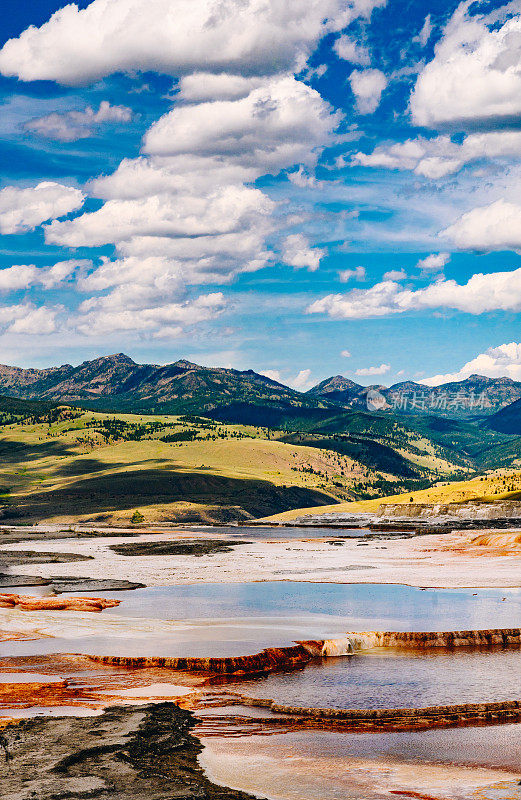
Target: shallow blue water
[(276, 532), (355, 606), (397, 680), (240, 619)]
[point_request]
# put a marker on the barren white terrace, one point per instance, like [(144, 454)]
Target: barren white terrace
[(437, 561)]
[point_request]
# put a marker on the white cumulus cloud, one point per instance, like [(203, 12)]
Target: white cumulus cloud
[(24, 209), (22, 276), (303, 381), (73, 125), (475, 75), (296, 252), (433, 263), (482, 293), (367, 86), (36, 321), (255, 37), (136, 178), (493, 227), (438, 157), (203, 86), (383, 369), (395, 275), (282, 123), (223, 211), (26, 318), (350, 50), (357, 274), (128, 309), (503, 361)]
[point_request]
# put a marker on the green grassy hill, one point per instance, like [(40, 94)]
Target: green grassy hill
[(72, 464)]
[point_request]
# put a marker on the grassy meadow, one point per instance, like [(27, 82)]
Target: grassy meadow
[(101, 467)]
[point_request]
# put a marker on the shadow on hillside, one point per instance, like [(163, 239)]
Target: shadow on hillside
[(139, 489), (84, 466), (15, 452)]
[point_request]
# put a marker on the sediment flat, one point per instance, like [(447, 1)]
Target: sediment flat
[(449, 560)]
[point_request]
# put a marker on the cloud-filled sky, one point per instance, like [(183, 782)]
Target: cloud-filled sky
[(301, 187)]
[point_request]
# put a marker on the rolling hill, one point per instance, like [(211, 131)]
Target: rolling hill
[(506, 420), (393, 451)]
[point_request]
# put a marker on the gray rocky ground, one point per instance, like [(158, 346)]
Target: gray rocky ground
[(127, 753)]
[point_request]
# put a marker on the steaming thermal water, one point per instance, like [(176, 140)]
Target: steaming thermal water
[(457, 764)]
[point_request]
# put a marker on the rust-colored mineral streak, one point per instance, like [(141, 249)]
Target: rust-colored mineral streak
[(31, 603), (268, 660)]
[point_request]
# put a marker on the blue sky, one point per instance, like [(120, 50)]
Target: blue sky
[(301, 187)]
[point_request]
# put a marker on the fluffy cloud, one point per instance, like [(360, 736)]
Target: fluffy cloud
[(475, 75), (493, 227), (367, 86), (129, 309), (249, 37), (368, 371), (282, 123), (188, 174), (348, 49), (482, 293), (436, 158), (224, 211), (433, 263), (187, 210), (25, 318), (22, 276), (303, 381), (19, 276), (496, 362), (25, 209), (358, 274), (272, 374), (35, 322), (206, 258), (203, 86), (345, 354), (395, 275), (297, 252), (74, 125)]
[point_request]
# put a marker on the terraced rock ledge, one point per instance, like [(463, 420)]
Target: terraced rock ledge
[(387, 719), (416, 640), (269, 660), (277, 659)]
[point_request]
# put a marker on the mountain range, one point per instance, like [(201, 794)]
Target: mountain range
[(415, 443), (117, 383), (476, 394)]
